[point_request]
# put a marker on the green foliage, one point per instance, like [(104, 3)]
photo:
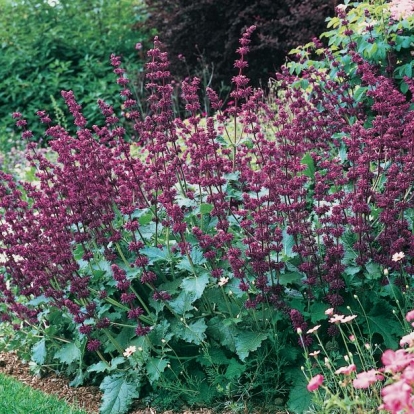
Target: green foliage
[(46, 47), (118, 394), (386, 45)]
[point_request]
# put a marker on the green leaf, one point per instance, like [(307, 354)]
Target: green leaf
[(213, 356), (247, 342), (99, 367), (289, 277), (183, 303), (68, 353), (192, 333), (288, 243), (235, 369), (317, 312), (78, 380), (39, 352), (155, 254), (197, 256), (299, 397), (308, 161), (206, 208), (195, 285), (155, 367), (118, 394), (374, 271), (389, 329), (145, 218)]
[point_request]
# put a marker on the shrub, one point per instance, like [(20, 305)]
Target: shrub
[(206, 33), (184, 255), (47, 46)]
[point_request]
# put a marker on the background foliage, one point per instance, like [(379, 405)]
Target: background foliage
[(206, 32), (47, 46)]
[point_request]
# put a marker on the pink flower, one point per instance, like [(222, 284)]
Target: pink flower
[(314, 329), (348, 318), (329, 311), (407, 339), (315, 383), (396, 361), (337, 319), (365, 379), (408, 375), (401, 9), (396, 397), (410, 316), (346, 370)]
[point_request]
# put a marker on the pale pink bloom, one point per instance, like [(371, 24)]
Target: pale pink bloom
[(314, 353), (138, 46), (346, 370), (408, 375), (352, 338), (329, 311), (396, 257), (396, 396), (348, 318), (407, 339), (337, 319), (223, 281), (401, 9), (396, 361), (314, 329), (410, 316), (365, 379), (315, 382), (129, 351)]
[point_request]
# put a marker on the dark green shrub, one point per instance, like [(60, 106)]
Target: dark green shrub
[(48, 46)]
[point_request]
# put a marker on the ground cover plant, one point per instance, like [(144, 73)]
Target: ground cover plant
[(19, 398), (195, 255)]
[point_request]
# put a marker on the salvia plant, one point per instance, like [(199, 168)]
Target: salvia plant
[(155, 253)]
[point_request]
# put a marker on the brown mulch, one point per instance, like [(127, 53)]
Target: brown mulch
[(88, 398)]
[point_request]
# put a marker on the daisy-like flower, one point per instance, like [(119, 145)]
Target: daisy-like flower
[(129, 351), (396, 257), (314, 329), (314, 353), (329, 311), (337, 319), (346, 370), (223, 281), (348, 318)]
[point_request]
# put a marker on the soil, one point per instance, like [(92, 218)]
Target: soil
[(88, 398)]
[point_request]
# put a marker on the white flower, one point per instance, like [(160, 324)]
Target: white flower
[(129, 351), (223, 281), (396, 257)]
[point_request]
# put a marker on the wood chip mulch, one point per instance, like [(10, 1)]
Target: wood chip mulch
[(88, 398)]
